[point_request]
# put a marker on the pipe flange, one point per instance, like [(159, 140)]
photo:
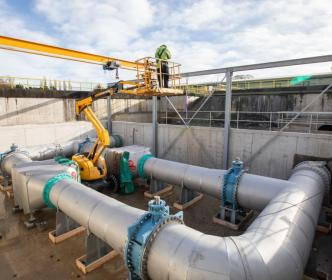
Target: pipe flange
[(231, 183), (238, 179), (153, 235), (143, 232), (320, 168), (141, 163), (50, 184)]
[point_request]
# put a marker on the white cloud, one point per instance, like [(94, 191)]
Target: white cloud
[(106, 26), (201, 34)]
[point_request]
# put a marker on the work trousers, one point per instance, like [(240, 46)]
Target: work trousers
[(163, 77)]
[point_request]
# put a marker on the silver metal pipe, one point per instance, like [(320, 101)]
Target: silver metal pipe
[(47, 151), (37, 153), (254, 192), (105, 217), (11, 160), (275, 246)]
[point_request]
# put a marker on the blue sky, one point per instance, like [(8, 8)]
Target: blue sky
[(201, 34)]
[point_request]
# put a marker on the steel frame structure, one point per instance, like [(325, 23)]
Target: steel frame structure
[(229, 71)]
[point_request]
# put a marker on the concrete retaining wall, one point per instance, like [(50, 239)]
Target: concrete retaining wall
[(32, 135), (14, 111), (270, 102), (204, 146), (17, 111), (201, 146)]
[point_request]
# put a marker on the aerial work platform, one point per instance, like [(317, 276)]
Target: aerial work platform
[(147, 72)]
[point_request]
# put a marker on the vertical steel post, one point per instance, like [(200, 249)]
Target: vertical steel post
[(227, 118), (237, 118), (186, 106), (166, 110), (155, 126), (310, 123), (109, 114)]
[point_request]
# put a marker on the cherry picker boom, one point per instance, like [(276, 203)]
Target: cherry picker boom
[(92, 165)]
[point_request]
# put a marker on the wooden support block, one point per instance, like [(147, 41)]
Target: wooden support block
[(96, 264), (324, 228), (230, 225), (167, 191), (320, 275), (58, 239), (327, 210), (9, 193), (141, 183), (180, 206), (5, 189)]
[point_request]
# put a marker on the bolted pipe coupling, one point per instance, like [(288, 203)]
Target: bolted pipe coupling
[(142, 234), (50, 184), (230, 184), (141, 163)]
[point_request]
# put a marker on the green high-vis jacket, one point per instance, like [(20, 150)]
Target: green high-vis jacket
[(162, 53)]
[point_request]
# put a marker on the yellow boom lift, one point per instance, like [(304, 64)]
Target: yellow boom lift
[(92, 165)]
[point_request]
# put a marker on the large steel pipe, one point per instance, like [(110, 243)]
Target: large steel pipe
[(37, 153), (254, 192), (105, 217), (12, 160), (276, 245), (43, 152)]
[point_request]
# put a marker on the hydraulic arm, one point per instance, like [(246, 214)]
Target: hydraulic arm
[(92, 164), (146, 82)]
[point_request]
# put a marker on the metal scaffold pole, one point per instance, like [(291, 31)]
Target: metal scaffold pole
[(227, 118)]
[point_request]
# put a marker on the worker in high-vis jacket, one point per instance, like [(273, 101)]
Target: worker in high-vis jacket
[(162, 55)]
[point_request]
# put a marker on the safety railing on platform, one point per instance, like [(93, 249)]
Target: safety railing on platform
[(48, 84), (308, 122)]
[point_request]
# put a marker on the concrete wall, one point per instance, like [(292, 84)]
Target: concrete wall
[(201, 146), (204, 146), (15, 111), (269, 102), (32, 135)]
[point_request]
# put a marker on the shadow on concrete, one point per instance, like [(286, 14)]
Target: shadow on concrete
[(27, 109)]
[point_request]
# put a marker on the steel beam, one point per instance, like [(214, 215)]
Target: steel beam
[(19, 45), (281, 63)]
